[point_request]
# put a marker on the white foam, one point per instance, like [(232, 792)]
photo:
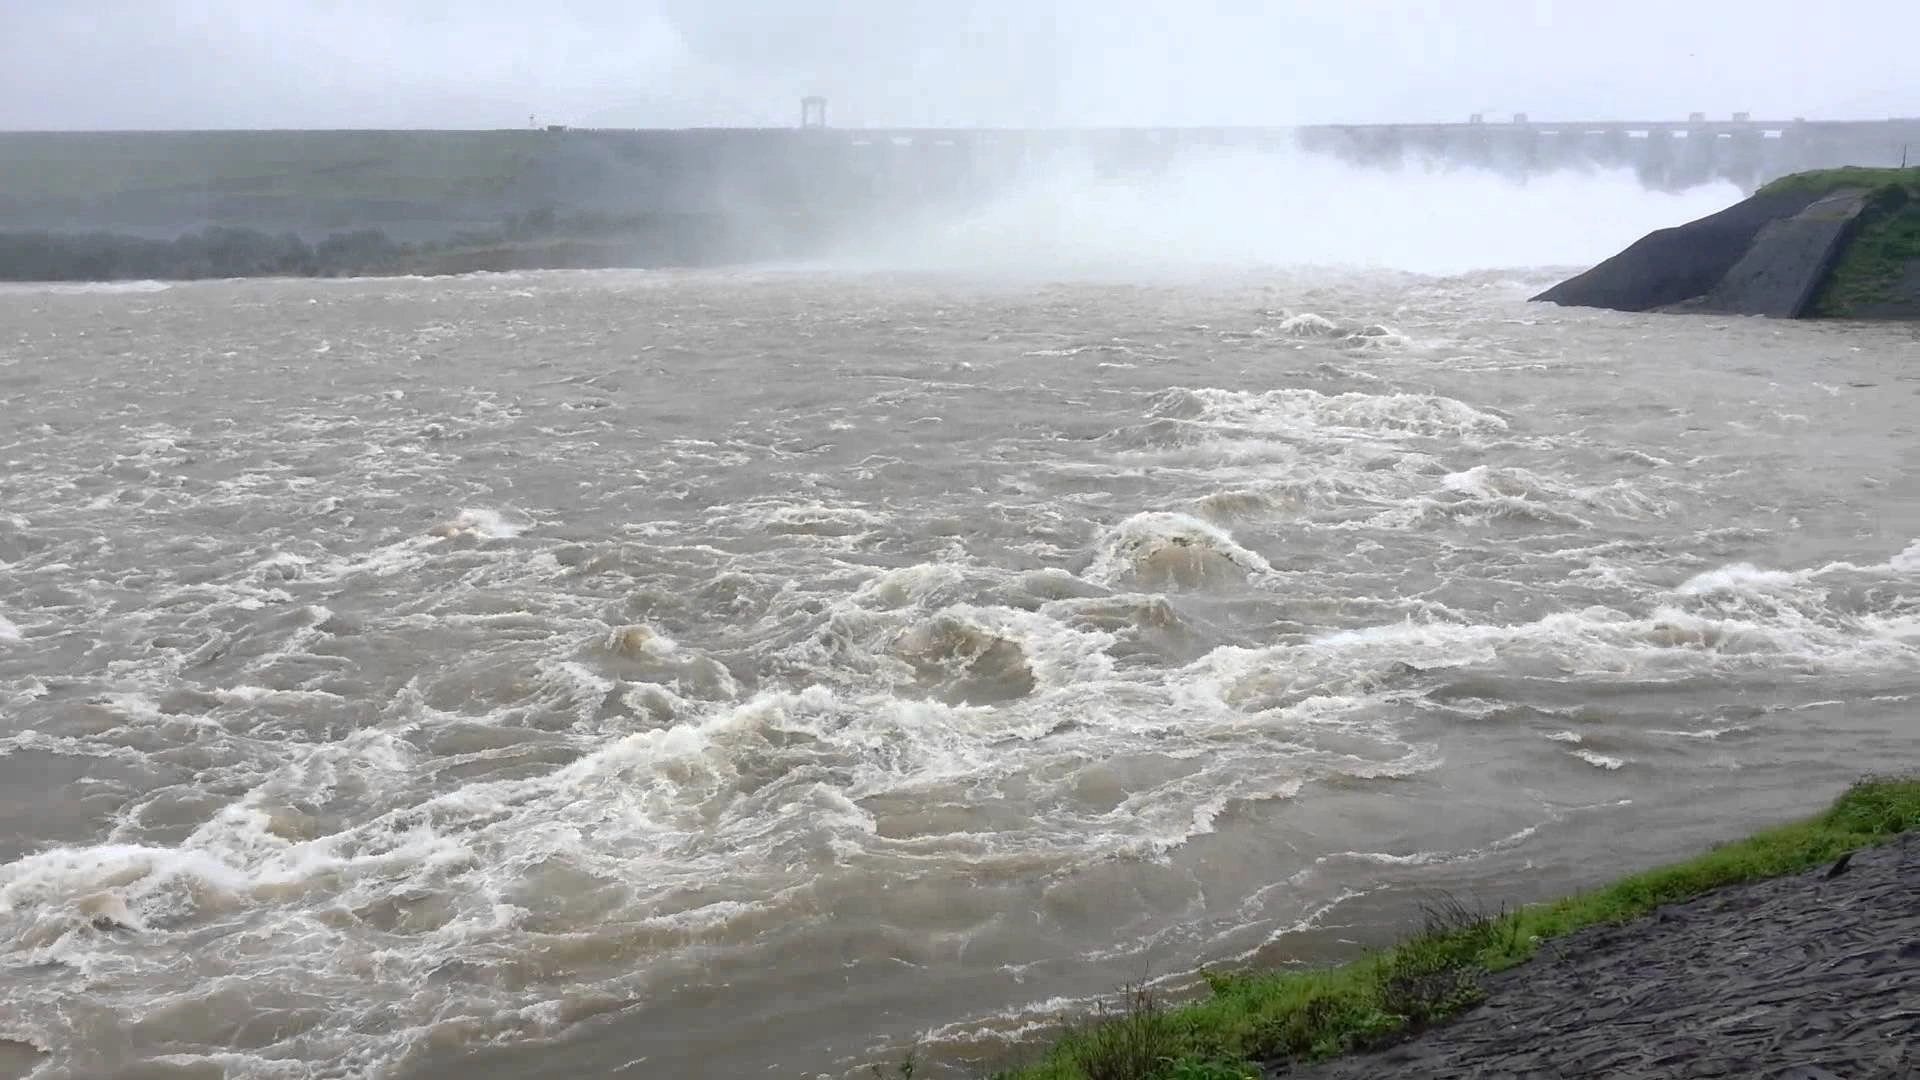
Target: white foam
[(1738, 578), (1598, 760), (1425, 858), (1308, 324), (86, 288), (484, 522), (920, 585), (1172, 546), (1908, 561), (820, 518), (1595, 642), (135, 871), (641, 640), (9, 631), (1350, 414), (1705, 734)]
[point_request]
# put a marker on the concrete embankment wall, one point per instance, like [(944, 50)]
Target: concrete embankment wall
[(1676, 265), (1789, 260), (1841, 243)]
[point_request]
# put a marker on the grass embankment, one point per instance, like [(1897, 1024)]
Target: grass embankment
[(1826, 181), (1879, 272), (1310, 1015)]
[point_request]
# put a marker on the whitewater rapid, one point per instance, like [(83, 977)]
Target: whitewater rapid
[(554, 674)]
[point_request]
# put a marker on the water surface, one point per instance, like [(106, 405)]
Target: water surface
[(731, 674)]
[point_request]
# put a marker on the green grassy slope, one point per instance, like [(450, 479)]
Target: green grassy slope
[(1309, 1015), (1822, 181), (1879, 272)]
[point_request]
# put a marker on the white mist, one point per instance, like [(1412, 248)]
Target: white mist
[(1224, 210)]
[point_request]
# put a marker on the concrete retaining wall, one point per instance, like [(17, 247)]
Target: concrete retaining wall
[(1781, 273)]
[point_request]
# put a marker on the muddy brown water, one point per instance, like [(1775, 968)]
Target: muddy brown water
[(740, 674)]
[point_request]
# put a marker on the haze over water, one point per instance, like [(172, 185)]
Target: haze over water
[(729, 674)]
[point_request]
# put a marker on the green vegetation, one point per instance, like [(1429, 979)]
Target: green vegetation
[(1880, 269), (1826, 181), (1309, 1015), (1879, 272)]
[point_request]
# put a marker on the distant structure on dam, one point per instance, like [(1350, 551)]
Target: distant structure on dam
[(1664, 155), (1667, 156), (430, 185), (823, 167)]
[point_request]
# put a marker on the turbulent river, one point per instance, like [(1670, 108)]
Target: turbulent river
[(752, 674)]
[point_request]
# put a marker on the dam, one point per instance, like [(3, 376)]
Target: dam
[(425, 185), (1664, 155)]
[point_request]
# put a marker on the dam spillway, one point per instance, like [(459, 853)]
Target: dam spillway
[(428, 184)]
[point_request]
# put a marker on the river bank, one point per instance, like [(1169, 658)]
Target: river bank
[(1810, 975), (1838, 243), (530, 242), (1711, 963)]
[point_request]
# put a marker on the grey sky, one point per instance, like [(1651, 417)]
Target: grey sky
[(490, 63)]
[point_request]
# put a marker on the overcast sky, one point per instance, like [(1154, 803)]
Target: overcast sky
[(674, 63)]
